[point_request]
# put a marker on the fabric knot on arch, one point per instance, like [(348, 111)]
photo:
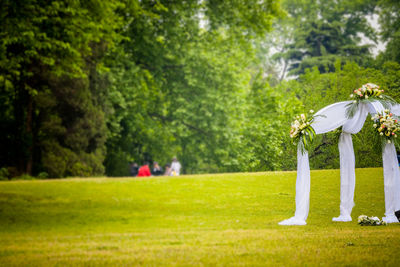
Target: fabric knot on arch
[(326, 120)]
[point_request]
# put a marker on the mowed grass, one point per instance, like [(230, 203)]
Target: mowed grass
[(202, 220)]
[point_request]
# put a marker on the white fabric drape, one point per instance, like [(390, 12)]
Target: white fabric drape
[(355, 124), (395, 110), (375, 107), (330, 117), (302, 190), (348, 162), (391, 176), (347, 177), (391, 173)]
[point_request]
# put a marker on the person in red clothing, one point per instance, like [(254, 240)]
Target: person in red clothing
[(144, 170)]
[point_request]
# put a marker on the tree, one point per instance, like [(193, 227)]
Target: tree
[(323, 32), (179, 82), (389, 19), (49, 53)]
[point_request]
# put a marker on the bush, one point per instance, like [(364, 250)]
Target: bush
[(24, 177), (43, 175), (4, 174), (80, 170)]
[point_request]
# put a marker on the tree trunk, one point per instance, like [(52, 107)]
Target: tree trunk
[(284, 70), (29, 133)]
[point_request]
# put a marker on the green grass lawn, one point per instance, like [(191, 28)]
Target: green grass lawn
[(222, 219)]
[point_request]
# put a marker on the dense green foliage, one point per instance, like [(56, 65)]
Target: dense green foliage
[(220, 219), (390, 23), (183, 86), (138, 80), (88, 87), (53, 116), (317, 33)]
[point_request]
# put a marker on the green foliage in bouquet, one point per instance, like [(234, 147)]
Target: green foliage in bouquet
[(301, 131), (368, 93)]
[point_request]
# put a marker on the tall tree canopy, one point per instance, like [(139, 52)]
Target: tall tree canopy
[(184, 70), (90, 82), (52, 117), (320, 32), (389, 19)]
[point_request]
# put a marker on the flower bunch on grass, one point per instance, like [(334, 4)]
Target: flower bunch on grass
[(301, 130), (364, 220), (366, 91), (386, 125)]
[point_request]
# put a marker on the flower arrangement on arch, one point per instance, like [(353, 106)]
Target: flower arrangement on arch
[(301, 130), (368, 93), (386, 125)]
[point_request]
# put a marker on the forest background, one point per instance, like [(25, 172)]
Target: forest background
[(87, 87)]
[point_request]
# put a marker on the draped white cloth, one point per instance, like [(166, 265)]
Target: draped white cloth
[(330, 117), (395, 110), (302, 190), (326, 120), (355, 124), (391, 176), (391, 173), (348, 163), (375, 107), (347, 177)]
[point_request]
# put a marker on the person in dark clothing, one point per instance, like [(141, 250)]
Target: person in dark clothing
[(134, 169), (157, 170)]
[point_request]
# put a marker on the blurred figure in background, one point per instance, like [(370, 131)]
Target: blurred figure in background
[(175, 167), (156, 170), (167, 170), (134, 169), (144, 170)]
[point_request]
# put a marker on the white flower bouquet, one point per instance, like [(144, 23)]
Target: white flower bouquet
[(364, 220), (301, 130), (386, 125), (368, 93)]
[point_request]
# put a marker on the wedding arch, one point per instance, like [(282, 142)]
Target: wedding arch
[(350, 115)]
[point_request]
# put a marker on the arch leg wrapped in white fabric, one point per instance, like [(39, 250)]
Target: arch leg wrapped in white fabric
[(347, 177), (391, 175), (293, 221), (342, 218), (302, 190)]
